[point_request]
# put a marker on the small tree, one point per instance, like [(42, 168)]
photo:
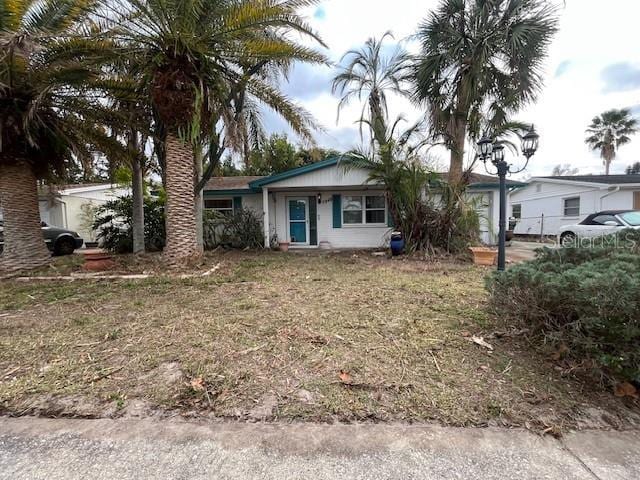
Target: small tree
[(633, 169), (88, 213), (565, 170), (275, 156)]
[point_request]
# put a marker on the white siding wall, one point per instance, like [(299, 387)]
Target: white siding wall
[(548, 198), (488, 207), (349, 236), (73, 207), (325, 181), (325, 178), (66, 210), (335, 180)]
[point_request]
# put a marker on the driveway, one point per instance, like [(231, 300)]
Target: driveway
[(522, 251), (33, 448)]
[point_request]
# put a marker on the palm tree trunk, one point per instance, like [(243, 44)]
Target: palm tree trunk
[(199, 201), (608, 158), (457, 152), (137, 191), (180, 212), (24, 247)]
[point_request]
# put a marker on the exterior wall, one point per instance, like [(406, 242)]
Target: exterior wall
[(548, 198), (355, 236), (336, 180), (488, 207), (330, 177), (348, 236), (66, 210)]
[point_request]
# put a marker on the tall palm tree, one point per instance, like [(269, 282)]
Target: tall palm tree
[(46, 63), (372, 74), (480, 63), (609, 131), (191, 53), (369, 75)]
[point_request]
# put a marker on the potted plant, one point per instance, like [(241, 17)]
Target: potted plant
[(484, 255), (284, 246)]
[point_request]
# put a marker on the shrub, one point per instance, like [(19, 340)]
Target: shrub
[(452, 223), (114, 222), (242, 229), (587, 298)]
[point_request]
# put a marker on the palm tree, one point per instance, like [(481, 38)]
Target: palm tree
[(46, 63), (609, 131), (371, 74), (480, 63), (191, 54)]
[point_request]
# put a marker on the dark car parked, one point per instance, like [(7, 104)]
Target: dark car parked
[(59, 240)]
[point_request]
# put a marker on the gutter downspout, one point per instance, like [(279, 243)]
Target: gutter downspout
[(64, 214), (615, 190)]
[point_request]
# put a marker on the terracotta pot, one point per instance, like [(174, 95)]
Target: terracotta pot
[(98, 261), (484, 255), (284, 246)]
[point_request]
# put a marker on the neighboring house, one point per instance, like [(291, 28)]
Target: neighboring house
[(325, 203), (547, 203), (72, 206)]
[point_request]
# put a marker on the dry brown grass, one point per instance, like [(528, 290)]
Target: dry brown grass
[(268, 335)]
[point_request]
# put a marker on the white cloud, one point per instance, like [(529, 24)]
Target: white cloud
[(592, 37)]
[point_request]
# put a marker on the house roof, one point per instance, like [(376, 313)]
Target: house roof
[(245, 184), (479, 181), (602, 179), (231, 183)]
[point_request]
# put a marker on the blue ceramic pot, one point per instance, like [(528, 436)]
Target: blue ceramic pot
[(397, 243)]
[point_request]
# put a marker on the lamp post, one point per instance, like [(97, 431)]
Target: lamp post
[(491, 150)]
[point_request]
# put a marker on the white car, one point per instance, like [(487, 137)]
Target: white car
[(599, 224)]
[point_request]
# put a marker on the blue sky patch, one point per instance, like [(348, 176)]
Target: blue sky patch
[(621, 77), (562, 68), (320, 13)]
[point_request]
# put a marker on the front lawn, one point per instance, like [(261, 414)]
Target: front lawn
[(314, 337)]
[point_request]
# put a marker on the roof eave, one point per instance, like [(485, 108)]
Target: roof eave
[(230, 191), (571, 182)]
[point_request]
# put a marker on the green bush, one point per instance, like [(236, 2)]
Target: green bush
[(242, 230), (587, 298), (114, 223)]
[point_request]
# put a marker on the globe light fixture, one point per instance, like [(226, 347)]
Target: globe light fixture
[(530, 143), (485, 147)]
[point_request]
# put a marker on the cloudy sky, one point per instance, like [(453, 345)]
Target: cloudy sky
[(594, 65)]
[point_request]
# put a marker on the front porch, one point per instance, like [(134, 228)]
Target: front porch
[(326, 218)]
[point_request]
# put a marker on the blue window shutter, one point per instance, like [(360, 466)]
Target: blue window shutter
[(337, 211), (237, 204)]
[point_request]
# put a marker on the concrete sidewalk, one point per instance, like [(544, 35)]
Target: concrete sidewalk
[(33, 448)]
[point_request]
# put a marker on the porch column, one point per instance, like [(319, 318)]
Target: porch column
[(265, 211)]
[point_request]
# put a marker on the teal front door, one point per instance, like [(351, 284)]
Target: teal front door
[(298, 224)]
